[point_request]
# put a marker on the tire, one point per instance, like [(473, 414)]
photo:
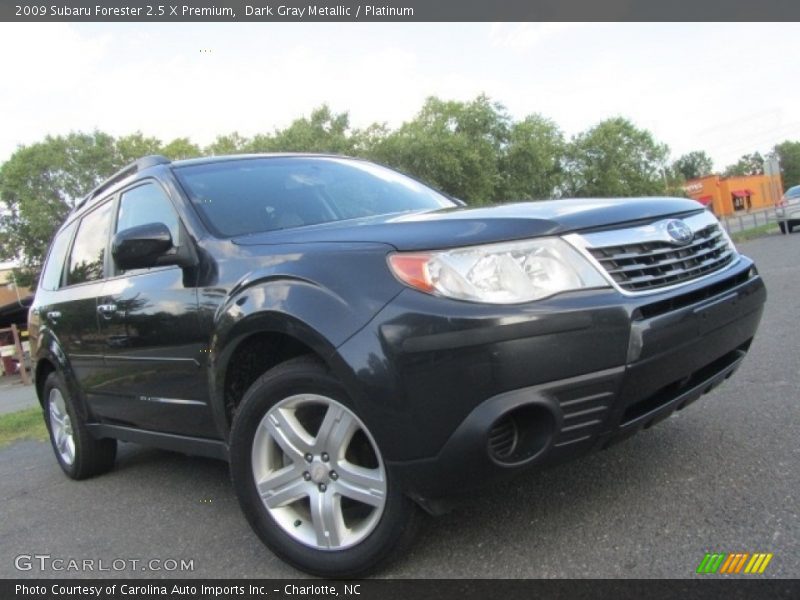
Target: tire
[(336, 515), (784, 227), (79, 455)]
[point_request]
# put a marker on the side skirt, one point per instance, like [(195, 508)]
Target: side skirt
[(165, 441)]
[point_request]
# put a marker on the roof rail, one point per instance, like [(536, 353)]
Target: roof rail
[(143, 163)]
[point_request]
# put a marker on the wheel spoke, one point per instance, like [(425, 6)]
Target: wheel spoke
[(70, 448), (288, 492), (326, 515), (360, 484), (337, 428), (279, 479), (287, 431), (55, 417)]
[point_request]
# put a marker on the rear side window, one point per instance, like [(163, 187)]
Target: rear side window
[(89, 250), (147, 204), (51, 276)]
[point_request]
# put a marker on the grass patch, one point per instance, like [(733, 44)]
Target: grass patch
[(22, 425), (749, 234)]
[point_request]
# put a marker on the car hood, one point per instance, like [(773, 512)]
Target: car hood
[(463, 226)]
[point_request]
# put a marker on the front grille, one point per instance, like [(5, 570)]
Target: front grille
[(655, 264)]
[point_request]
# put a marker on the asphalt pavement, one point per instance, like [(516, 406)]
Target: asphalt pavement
[(722, 475)]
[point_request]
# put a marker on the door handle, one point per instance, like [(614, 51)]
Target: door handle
[(107, 310), (54, 315)]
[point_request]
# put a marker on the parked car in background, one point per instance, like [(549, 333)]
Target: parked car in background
[(788, 211), (359, 346)]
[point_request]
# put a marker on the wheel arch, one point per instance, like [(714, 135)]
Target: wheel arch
[(258, 343), (44, 366), (281, 316), (51, 358)]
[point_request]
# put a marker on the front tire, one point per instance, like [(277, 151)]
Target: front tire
[(311, 479), (79, 455)]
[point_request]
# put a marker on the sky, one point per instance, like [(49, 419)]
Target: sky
[(728, 89)]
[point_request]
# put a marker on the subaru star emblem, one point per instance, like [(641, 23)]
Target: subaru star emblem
[(679, 231)]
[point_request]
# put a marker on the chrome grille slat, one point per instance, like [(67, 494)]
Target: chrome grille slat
[(645, 259), (679, 272), (667, 249), (664, 263)]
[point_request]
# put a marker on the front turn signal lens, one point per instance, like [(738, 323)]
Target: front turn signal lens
[(412, 269)]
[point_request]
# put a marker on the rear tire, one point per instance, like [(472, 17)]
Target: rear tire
[(79, 455), (310, 478)]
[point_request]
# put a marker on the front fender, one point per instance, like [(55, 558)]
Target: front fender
[(312, 314)]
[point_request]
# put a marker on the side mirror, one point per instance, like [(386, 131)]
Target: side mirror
[(142, 247)]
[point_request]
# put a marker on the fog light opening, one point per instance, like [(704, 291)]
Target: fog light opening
[(521, 433)]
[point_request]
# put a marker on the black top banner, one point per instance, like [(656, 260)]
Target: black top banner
[(399, 10)]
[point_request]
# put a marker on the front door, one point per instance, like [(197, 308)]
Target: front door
[(154, 349)]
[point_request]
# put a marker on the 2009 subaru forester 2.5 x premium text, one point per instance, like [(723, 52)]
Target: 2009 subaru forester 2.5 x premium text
[(358, 345)]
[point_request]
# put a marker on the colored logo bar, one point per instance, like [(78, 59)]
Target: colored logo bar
[(734, 563)]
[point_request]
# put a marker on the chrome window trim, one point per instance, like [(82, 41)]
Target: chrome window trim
[(652, 232)]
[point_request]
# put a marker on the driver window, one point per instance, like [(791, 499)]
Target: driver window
[(147, 204)]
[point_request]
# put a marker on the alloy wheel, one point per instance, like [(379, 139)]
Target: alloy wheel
[(318, 472), (61, 426)]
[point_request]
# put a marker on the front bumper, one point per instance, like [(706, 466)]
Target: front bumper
[(438, 381)]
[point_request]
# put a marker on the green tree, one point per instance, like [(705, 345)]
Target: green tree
[(749, 164), (788, 153), (136, 145), (693, 165), (181, 148), (324, 131), (39, 185), (531, 162), (615, 158), (367, 142), (451, 145), (232, 143)]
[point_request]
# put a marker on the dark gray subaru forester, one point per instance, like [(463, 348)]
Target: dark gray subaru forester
[(358, 345)]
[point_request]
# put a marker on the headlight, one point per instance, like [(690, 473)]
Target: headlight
[(505, 273)]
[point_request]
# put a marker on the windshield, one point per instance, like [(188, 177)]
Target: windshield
[(241, 196)]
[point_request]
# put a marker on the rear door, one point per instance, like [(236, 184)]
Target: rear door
[(153, 344), (71, 311)]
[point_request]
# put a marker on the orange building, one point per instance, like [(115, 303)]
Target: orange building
[(727, 196)]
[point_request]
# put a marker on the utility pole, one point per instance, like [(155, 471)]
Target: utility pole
[(772, 169)]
